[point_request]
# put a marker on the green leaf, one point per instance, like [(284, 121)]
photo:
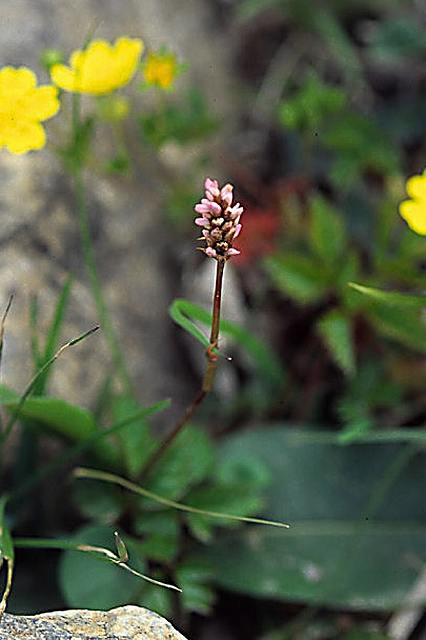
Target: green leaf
[(184, 312), (161, 535), (397, 315), (186, 462), (397, 38), (87, 583), (136, 440), (59, 416), (192, 575), (182, 123), (225, 498), (158, 600), (406, 326), (392, 298), (53, 335), (98, 502), (297, 276), (327, 231), (336, 330), (7, 554), (356, 511)]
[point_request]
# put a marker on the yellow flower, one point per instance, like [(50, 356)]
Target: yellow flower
[(100, 68), (23, 106), (414, 211), (161, 70)]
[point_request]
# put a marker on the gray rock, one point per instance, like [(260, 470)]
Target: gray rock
[(124, 623)]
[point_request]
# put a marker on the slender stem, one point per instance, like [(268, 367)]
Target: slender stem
[(208, 379), (89, 259)]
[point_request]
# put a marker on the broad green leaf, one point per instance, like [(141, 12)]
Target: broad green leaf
[(327, 231), (87, 583), (297, 276), (184, 312), (136, 441), (64, 418), (158, 600), (357, 514), (336, 330), (392, 298)]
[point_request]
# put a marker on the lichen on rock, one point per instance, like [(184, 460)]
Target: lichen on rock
[(123, 623)]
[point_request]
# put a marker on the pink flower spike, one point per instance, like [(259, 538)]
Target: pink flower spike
[(202, 222), (237, 231), (201, 208), (226, 194), (232, 252), (210, 184), (214, 208)]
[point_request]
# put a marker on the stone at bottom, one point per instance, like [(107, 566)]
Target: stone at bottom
[(124, 623)]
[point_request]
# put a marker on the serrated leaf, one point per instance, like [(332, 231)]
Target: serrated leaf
[(160, 533), (336, 330), (186, 462), (193, 575), (297, 276), (327, 231), (136, 440)]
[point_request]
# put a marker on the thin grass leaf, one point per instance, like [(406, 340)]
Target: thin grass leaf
[(97, 552), (85, 446), (6, 554), (184, 312), (33, 382), (93, 474), (35, 343), (3, 324), (54, 333)]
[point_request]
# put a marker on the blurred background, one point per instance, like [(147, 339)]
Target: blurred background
[(315, 111)]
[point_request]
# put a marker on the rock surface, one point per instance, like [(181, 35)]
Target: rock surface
[(124, 623)]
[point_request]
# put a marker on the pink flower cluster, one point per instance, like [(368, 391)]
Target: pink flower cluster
[(220, 220)]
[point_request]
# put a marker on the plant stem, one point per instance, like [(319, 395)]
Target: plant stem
[(90, 263), (208, 379)]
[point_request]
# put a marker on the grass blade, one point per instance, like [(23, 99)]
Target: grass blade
[(93, 474), (33, 382), (98, 552)]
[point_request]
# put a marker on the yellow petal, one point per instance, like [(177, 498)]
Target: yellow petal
[(16, 82), (416, 187), (39, 104), (24, 137), (63, 77), (414, 213)]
